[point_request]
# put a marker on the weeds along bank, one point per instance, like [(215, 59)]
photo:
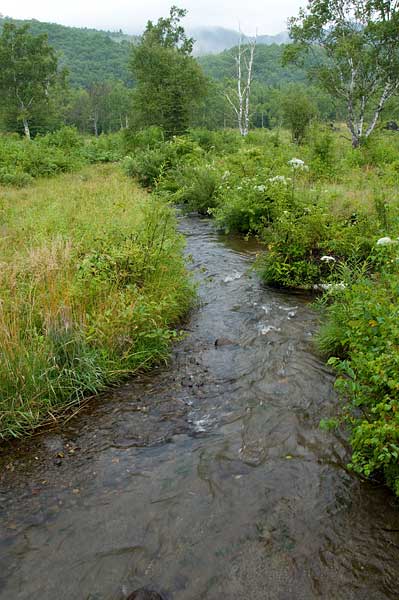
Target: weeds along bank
[(92, 280), (329, 218), (64, 151)]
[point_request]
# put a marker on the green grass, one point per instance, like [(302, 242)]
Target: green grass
[(92, 281)]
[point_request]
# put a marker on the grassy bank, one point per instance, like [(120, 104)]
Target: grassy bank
[(320, 209), (63, 151), (92, 279)]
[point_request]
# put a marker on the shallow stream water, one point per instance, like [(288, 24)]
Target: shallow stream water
[(206, 479)]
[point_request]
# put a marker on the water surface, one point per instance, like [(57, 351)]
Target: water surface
[(208, 478)]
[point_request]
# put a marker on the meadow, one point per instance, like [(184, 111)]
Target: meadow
[(92, 284)]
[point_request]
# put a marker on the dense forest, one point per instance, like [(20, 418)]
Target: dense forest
[(88, 54)]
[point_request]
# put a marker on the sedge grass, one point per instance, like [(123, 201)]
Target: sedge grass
[(92, 280)]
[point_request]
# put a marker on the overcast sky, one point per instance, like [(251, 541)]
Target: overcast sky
[(265, 16)]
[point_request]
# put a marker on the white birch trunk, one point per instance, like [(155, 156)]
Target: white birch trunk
[(241, 104)]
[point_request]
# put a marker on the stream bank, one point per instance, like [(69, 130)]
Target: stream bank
[(208, 478)]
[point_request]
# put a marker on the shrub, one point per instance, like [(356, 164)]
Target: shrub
[(193, 184), (298, 111), (248, 204), (298, 240), (149, 166), (362, 331), (144, 139)]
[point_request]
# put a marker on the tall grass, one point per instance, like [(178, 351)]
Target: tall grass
[(91, 280)]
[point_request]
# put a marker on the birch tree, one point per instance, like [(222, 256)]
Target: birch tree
[(28, 70), (360, 58), (240, 98)]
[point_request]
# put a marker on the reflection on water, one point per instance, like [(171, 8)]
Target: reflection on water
[(206, 479)]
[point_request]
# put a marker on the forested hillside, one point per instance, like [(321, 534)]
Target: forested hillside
[(89, 55), (268, 68)]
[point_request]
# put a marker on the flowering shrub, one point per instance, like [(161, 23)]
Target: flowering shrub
[(247, 205)]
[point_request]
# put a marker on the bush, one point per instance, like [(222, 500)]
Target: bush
[(248, 204), (226, 141), (298, 111), (67, 138), (149, 166), (362, 331), (144, 139), (308, 243), (104, 149), (193, 184)]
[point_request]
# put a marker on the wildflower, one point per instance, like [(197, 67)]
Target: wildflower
[(278, 179), (260, 188), (297, 163)]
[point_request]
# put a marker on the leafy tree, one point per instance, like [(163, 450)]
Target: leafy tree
[(298, 111), (169, 80), (360, 62), (28, 70)]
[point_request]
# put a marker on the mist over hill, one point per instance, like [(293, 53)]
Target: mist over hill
[(212, 40), (92, 55)]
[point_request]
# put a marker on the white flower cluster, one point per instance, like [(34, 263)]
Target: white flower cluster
[(279, 179), (297, 163), (329, 286), (260, 188)]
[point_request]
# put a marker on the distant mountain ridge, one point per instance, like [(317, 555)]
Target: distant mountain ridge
[(212, 40), (93, 55)]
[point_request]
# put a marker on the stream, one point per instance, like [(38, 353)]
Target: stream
[(208, 478)]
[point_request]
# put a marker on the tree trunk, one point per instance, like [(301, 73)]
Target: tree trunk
[(26, 129)]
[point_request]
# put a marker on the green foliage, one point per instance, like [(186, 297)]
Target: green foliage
[(361, 330), (299, 241), (193, 184), (59, 152), (226, 141), (150, 165), (22, 160), (169, 80), (248, 204), (85, 52), (104, 148), (144, 139), (360, 60), (298, 111), (322, 152), (92, 282), (28, 71)]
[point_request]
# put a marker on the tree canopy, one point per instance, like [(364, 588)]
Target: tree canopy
[(168, 79), (28, 70), (360, 62)]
